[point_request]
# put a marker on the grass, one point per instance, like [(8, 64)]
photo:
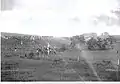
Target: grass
[(70, 69), (44, 70)]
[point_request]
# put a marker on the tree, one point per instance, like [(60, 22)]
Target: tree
[(91, 43), (63, 48), (78, 39), (74, 40), (72, 44), (112, 39), (102, 42), (82, 39), (31, 55)]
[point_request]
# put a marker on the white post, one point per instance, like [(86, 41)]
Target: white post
[(118, 62), (21, 42), (48, 46)]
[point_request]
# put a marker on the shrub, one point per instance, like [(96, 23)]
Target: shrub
[(99, 43), (63, 48), (31, 54)]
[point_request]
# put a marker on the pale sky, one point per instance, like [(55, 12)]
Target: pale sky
[(57, 17)]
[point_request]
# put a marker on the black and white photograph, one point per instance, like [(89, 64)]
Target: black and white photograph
[(60, 40)]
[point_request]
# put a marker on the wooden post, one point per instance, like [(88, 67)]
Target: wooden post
[(78, 58), (79, 55), (118, 62)]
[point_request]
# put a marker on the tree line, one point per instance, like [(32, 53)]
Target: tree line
[(101, 42)]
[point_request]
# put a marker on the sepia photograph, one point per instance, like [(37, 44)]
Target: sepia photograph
[(60, 40)]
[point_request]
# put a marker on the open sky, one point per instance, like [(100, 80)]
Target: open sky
[(57, 17)]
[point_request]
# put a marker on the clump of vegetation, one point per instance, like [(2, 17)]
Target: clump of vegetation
[(8, 72), (100, 43), (94, 42), (101, 68), (103, 42), (31, 54), (63, 48), (76, 40)]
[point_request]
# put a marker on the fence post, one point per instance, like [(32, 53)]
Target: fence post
[(118, 62)]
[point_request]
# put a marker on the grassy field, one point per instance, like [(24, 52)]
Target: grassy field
[(89, 67), (47, 70)]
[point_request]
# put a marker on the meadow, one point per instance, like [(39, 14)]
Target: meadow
[(75, 65)]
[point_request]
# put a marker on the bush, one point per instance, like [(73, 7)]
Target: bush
[(31, 55), (101, 68), (99, 43), (63, 48)]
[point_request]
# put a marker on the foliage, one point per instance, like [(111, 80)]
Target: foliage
[(101, 68), (105, 42), (63, 48), (77, 39), (92, 43), (82, 39), (31, 54)]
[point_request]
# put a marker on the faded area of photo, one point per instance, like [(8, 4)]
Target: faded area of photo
[(60, 41)]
